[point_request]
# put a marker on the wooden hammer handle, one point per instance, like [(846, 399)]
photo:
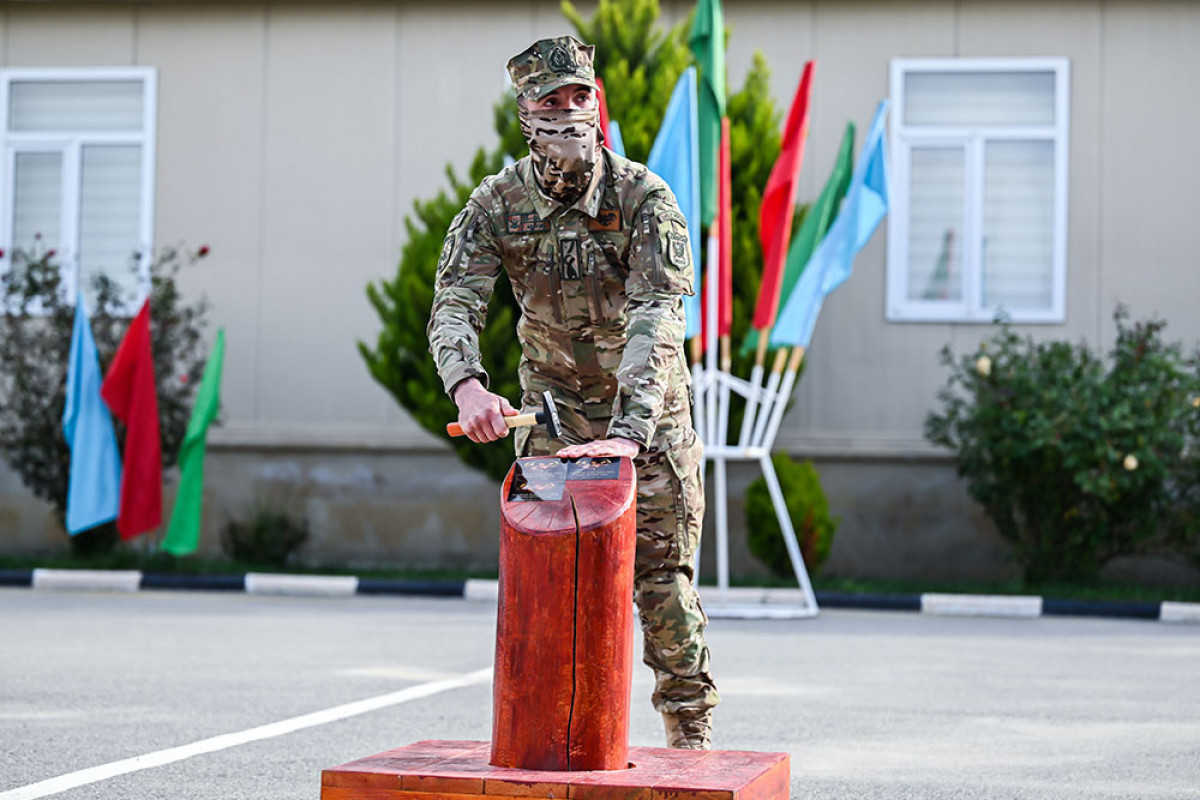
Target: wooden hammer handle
[(519, 421)]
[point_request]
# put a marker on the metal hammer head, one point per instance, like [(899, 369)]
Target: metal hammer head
[(549, 416)]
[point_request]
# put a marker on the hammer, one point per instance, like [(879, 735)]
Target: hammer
[(547, 416)]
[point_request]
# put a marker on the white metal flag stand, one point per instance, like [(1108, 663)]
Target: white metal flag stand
[(711, 388)]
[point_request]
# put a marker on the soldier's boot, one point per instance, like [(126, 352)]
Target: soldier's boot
[(689, 730)]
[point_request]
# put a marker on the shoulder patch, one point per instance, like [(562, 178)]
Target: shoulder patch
[(525, 223), (677, 250), (607, 220)]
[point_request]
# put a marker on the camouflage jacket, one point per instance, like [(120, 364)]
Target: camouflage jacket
[(599, 284)]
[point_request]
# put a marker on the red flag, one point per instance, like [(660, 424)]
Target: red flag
[(603, 103), (129, 391), (779, 203), (725, 234), (723, 228)]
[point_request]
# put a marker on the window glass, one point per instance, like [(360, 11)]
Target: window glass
[(1018, 224), (37, 200), (979, 98), (110, 208), (935, 223), (47, 105)]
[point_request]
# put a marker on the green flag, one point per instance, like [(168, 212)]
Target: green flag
[(183, 534), (707, 43), (815, 224)]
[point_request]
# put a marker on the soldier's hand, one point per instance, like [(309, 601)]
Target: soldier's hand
[(481, 413), (601, 447)]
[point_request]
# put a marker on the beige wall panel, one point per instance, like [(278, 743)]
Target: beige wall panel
[(1151, 111), (1071, 29), (329, 208), (61, 35), (4, 37), (866, 379), (210, 147), (449, 74)]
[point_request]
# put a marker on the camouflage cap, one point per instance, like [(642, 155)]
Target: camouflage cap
[(548, 64)]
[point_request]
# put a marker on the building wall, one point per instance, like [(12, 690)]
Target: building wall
[(293, 139)]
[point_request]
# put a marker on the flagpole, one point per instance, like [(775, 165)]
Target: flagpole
[(754, 395), (781, 399), (768, 397)]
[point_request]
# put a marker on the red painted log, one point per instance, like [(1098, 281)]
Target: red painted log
[(564, 625)]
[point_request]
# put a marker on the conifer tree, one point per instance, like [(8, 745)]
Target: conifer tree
[(639, 62)]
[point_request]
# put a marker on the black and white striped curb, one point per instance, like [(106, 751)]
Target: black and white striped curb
[(973, 605)]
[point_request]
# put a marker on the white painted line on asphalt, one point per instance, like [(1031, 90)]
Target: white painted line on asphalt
[(83, 777), (1179, 612), (87, 580), (301, 585), (981, 605), (481, 590)]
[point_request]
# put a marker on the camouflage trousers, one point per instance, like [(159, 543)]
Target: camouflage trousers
[(670, 513)]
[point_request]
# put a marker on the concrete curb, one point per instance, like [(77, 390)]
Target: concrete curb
[(487, 591)]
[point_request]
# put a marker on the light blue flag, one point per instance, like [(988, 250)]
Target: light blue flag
[(675, 157), (614, 141), (865, 205), (94, 490)]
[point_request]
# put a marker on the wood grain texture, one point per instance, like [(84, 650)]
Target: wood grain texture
[(564, 631), (656, 773)]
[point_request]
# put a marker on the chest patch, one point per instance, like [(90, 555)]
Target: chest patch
[(525, 223), (607, 220)]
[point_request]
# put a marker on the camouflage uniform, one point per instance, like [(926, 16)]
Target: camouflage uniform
[(599, 283)]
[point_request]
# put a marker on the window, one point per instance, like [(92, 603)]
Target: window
[(78, 169), (978, 224)]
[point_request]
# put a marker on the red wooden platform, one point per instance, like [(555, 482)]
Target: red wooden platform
[(460, 771)]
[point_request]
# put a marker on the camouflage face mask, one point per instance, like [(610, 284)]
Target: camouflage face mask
[(565, 147)]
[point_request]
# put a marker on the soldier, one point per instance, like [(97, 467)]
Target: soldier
[(598, 256)]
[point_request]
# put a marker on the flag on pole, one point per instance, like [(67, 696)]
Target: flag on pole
[(615, 142), (779, 204), (674, 158), (707, 43), (816, 224), (722, 228), (130, 393), (93, 489), (865, 205), (602, 102), (183, 532)]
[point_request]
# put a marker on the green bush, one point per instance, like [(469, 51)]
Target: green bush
[(268, 537), (36, 318), (640, 63), (807, 508), (1077, 458)]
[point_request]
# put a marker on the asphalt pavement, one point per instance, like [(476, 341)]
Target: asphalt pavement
[(869, 704)]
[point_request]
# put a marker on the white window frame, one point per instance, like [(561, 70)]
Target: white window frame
[(71, 144), (970, 309)]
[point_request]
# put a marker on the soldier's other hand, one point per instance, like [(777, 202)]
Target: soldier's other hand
[(481, 413), (601, 447)]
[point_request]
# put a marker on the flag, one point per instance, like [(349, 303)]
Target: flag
[(725, 233), (130, 393), (816, 223), (723, 230), (602, 102), (615, 142), (865, 205), (183, 533), (93, 490), (779, 204), (707, 43), (674, 158)]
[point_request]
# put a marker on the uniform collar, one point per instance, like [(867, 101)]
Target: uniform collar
[(588, 202)]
